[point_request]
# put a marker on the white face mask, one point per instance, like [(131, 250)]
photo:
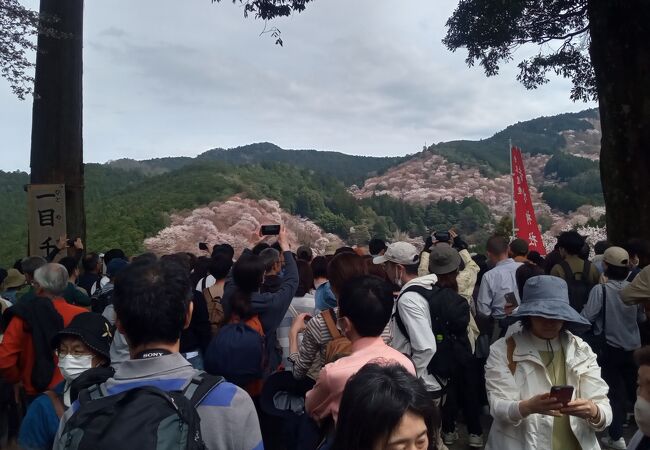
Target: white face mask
[(398, 278), (72, 366), (642, 415)]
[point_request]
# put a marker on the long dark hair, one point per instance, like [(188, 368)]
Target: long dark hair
[(305, 278), (373, 404), (247, 273)]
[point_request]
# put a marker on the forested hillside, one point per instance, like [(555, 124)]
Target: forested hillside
[(461, 183), (349, 169), (124, 206), (538, 136)]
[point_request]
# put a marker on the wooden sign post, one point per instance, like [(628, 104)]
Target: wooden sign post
[(46, 209)]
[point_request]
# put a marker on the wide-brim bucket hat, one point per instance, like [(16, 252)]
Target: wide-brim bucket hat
[(548, 297)]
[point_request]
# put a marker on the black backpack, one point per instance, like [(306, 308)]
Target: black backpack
[(450, 315), (579, 290), (143, 418), (100, 300)]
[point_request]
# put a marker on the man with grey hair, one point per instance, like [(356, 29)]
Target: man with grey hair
[(25, 352), (50, 280), (273, 261)]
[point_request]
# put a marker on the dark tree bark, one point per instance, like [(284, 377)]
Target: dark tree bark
[(57, 145), (620, 54)]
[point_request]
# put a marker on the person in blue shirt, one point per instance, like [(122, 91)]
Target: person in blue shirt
[(83, 345)]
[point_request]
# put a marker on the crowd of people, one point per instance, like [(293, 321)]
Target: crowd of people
[(377, 347)]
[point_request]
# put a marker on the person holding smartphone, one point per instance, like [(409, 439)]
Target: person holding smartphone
[(544, 384)]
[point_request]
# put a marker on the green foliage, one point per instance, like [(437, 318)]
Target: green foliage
[(601, 222), (504, 227), (565, 166), (13, 220), (588, 184), (346, 168), (545, 222), (360, 235), (566, 200), (349, 169), (468, 216), (493, 31)]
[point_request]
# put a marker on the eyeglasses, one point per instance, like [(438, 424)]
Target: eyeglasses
[(63, 354)]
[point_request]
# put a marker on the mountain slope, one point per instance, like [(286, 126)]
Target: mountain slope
[(349, 169), (449, 184), (560, 154), (544, 135)]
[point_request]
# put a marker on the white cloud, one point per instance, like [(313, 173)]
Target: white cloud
[(165, 78)]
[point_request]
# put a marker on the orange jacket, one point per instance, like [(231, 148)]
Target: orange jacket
[(17, 349)]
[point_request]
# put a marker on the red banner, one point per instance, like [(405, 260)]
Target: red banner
[(525, 220)]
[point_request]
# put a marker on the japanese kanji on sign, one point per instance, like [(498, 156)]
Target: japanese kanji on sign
[(525, 222), (46, 209)]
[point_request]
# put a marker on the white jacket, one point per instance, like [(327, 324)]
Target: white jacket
[(512, 432), (421, 344)]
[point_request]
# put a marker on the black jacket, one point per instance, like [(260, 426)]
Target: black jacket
[(44, 323), (197, 335)]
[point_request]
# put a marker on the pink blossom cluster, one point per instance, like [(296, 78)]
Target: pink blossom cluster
[(430, 178), (234, 222)]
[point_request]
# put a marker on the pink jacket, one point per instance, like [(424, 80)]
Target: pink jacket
[(324, 399)]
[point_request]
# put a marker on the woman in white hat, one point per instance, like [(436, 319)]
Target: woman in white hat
[(522, 370)]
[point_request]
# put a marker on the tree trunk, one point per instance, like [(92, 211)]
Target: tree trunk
[(620, 54), (57, 145)]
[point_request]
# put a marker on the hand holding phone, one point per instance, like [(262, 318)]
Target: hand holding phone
[(442, 236), (269, 230), (511, 299), (562, 394)]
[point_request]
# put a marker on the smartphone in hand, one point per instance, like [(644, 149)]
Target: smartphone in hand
[(511, 299), (270, 230), (563, 394)]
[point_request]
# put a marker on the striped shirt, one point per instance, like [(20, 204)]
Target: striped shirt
[(299, 305), (310, 358)]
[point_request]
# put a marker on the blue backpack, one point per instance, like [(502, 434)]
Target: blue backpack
[(238, 352)]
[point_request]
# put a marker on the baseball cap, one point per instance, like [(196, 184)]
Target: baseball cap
[(616, 256), (399, 253), (116, 266)]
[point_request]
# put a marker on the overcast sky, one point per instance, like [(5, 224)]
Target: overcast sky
[(371, 77)]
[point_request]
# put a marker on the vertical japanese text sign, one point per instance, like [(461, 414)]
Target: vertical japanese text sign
[(525, 220), (46, 203)]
